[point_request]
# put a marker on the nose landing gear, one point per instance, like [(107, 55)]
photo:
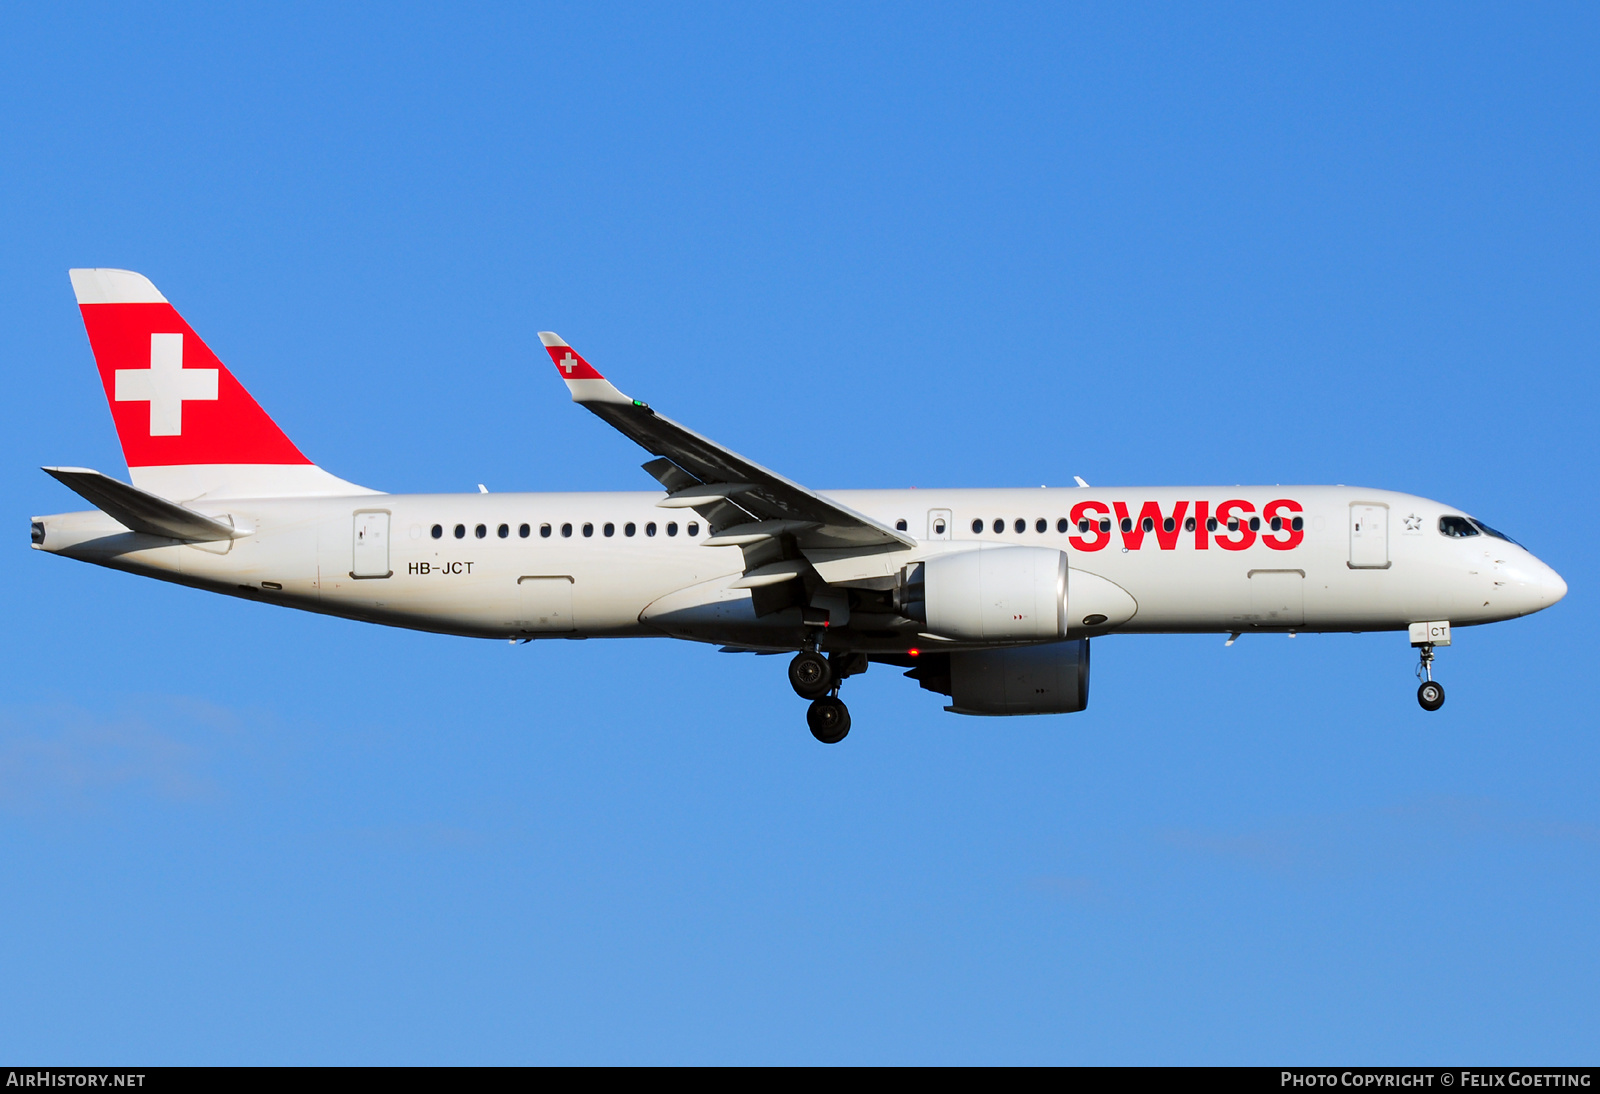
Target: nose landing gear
[(1430, 694), (1424, 637)]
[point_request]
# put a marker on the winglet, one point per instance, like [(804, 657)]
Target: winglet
[(583, 379)]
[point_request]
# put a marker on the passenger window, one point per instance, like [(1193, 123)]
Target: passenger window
[(588, 529), (1188, 525), (1297, 523), (1149, 524), (1127, 524), (1456, 527), (650, 529), (900, 525), (629, 528), (1083, 525), (1277, 524), (672, 527), (480, 531), (1021, 525), (566, 530), (1105, 524), (438, 531), (693, 529), (461, 531), (503, 531), (522, 530), (1211, 524), (977, 526), (610, 529), (1255, 524), (1169, 525), (938, 527), (1233, 524), (544, 531), (1040, 525), (999, 525)]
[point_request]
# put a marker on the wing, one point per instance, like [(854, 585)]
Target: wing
[(743, 502)]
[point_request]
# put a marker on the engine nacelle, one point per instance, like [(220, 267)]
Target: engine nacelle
[(1048, 679), (990, 594)]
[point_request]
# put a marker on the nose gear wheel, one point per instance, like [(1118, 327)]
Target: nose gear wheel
[(1430, 695)]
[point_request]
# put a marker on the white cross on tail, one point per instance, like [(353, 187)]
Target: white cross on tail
[(166, 384), (569, 363)]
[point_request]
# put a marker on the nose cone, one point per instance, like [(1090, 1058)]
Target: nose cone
[(1532, 585), (1552, 588)]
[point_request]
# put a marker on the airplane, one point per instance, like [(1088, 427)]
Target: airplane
[(988, 597)]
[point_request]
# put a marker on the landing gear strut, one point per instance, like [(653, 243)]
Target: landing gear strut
[(1430, 694)]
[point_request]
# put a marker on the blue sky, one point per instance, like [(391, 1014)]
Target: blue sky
[(889, 245)]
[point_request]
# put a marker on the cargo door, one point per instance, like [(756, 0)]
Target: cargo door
[(370, 550), (1369, 537), (544, 604), (1277, 598)]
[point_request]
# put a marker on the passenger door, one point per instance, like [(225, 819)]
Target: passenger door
[(370, 549), (1369, 536), (938, 524)]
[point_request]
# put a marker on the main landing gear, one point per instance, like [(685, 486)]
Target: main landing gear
[(817, 678), (810, 675), (829, 720)]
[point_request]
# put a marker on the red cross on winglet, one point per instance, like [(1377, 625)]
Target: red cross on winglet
[(568, 363)]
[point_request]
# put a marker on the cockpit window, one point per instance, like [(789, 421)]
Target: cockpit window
[(1486, 530), (1456, 527)]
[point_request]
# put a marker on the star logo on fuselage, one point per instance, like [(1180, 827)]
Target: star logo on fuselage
[(1413, 523)]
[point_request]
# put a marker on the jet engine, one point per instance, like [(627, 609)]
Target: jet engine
[(1051, 678), (989, 594), (1048, 679)]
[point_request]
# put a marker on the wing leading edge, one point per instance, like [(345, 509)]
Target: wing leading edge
[(738, 497)]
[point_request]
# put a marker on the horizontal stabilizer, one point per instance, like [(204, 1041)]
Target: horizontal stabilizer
[(141, 511)]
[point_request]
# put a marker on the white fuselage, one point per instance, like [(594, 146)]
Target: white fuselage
[(1361, 560)]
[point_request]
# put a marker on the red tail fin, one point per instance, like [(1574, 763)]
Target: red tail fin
[(176, 406)]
